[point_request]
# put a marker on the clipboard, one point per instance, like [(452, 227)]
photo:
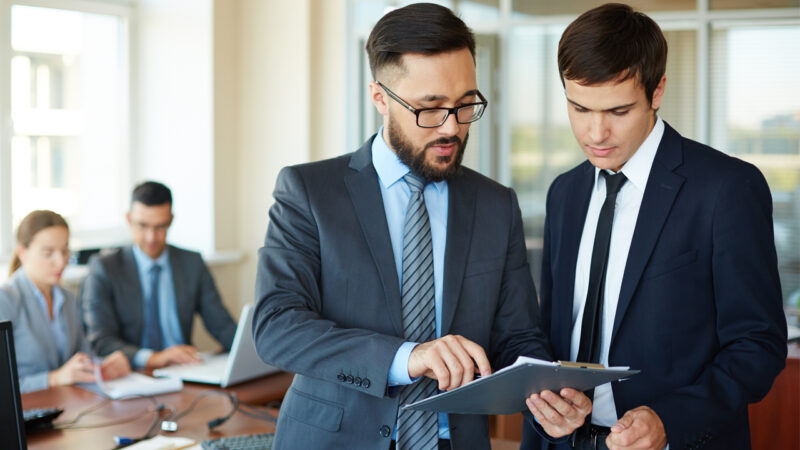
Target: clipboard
[(505, 391)]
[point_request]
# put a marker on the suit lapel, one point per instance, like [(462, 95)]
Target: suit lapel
[(460, 215), (132, 286), (362, 185), (571, 232), (662, 188)]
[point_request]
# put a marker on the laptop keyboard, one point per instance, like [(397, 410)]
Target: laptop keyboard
[(247, 442)]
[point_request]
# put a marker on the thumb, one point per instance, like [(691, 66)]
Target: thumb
[(622, 423)]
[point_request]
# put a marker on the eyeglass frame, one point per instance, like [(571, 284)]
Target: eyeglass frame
[(453, 110)]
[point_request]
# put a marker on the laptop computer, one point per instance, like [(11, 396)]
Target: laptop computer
[(14, 422), (241, 364)]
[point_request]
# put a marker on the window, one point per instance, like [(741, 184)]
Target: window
[(731, 74), (69, 143)]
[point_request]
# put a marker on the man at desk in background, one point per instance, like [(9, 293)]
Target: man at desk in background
[(393, 271), (142, 299), (658, 254)]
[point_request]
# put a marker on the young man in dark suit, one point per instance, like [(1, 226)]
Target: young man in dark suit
[(658, 255), (393, 272), (142, 299)]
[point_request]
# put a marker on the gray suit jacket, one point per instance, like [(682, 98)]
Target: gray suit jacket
[(34, 341), (328, 298), (113, 305)]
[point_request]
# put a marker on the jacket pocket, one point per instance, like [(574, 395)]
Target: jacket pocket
[(665, 266), (313, 411), (483, 266)]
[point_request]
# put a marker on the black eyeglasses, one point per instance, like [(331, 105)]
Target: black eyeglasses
[(435, 117)]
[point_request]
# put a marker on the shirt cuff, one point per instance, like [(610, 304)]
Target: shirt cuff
[(398, 372), (141, 357)]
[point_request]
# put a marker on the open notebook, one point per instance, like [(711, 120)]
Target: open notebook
[(241, 364)]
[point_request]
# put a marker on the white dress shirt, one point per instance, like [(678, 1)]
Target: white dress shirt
[(629, 199)]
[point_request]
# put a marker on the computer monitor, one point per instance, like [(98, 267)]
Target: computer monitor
[(12, 428)]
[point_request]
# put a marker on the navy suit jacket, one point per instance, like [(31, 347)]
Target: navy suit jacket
[(700, 310), (328, 298)]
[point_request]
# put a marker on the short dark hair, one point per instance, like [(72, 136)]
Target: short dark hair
[(424, 28), (613, 42), (151, 193)]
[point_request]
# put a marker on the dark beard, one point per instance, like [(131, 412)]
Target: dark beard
[(415, 160)]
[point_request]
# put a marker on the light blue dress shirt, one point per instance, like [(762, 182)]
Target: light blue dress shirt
[(167, 306), (57, 322), (396, 194)]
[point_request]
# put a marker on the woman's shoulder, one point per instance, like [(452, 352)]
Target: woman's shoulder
[(12, 297)]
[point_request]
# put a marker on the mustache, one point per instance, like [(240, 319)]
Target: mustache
[(444, 141)]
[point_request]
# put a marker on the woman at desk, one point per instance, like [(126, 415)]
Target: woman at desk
[(50, 346)]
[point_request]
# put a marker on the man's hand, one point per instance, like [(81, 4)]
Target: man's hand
[(638, 429), (79, 369), (451, 360), (559, 415), (115, 365), (177, 354)]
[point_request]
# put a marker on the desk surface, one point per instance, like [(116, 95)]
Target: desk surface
[(137, 415)]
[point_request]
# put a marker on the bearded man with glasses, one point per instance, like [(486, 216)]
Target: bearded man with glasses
[(393, 272)]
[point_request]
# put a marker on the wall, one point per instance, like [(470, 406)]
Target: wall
[(174, 101), (278, 77)]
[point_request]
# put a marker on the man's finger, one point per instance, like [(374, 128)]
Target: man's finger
[(479, 356), (578, 399), (623, 423), (465, 371)]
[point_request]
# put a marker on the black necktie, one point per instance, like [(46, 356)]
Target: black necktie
[(591, 333)]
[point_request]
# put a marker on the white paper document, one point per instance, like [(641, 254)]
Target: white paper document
[(134, 385)]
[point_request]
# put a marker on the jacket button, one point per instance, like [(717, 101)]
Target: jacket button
[(357, 381), (384, 430), (341, 377), (365, 383), (350, 379)]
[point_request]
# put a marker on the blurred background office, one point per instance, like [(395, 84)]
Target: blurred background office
[(213, 97)]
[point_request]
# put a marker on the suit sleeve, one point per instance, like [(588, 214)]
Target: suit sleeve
[(102, 321), (289, 329), (751, 328), (517, 326), (216, 318)]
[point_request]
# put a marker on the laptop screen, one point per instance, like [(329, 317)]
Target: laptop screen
[(12, 428)]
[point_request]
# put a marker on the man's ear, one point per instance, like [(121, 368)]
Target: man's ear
[(379, 98), (658, 93)]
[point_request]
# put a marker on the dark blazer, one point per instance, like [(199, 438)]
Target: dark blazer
[(328, 298), (700, 310), (113, 304), (34, 340)]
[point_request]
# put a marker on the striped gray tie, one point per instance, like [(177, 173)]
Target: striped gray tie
[(417, 430)]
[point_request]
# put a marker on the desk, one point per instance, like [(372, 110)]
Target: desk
[(74, 400)]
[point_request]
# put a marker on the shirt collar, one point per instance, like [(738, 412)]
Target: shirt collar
[(637, 169), (146, 263), (389, 167), (57, 295)]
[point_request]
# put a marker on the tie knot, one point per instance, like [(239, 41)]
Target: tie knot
[(415, 182), (155, 270), (613, 182)]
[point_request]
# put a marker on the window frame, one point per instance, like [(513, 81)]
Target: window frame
[(123, 9)]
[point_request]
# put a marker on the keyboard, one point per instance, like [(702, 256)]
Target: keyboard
[(40, 418), (248, 442)]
